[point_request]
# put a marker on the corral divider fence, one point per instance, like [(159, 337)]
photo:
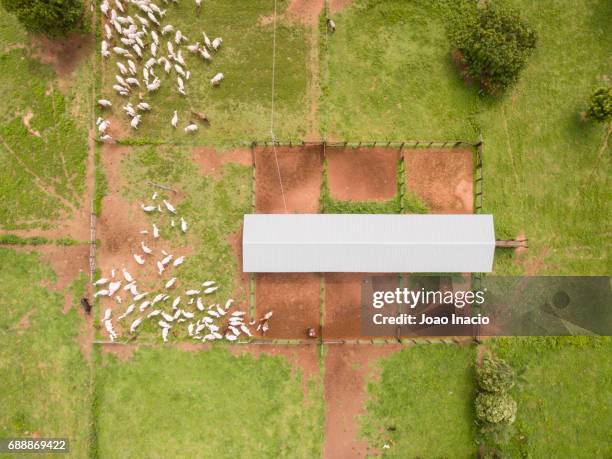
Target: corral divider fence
[(478, 177), (368, 144)]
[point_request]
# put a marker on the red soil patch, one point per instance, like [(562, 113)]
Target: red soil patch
[(347, 371), (305, 11), (302, 356), (343, 302), (301, 171), (211, 161), (64, 55), (443, 179), (123, 352), (362, 174), (336, 6), (118, 228), (295, 300)]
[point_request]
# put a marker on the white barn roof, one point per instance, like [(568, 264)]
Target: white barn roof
[(368, 243)]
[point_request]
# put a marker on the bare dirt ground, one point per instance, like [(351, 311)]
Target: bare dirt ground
[(211, 161), (362, 174), (301, 171), (64, 55), (335, 6), (343, 302), (347, 371), (443, 179), (295, 300), (305, 11)]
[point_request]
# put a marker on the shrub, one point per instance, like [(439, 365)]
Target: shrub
[(494, 375), (600, 105), (495, 408), (494, 42), (53, 17)]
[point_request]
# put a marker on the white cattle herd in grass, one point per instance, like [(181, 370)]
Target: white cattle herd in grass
[(138, 42), (169, 305)]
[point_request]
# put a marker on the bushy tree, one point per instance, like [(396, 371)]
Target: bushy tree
[(495, 408), (600, 105), (52, 17), (494, 375), (494, 42)]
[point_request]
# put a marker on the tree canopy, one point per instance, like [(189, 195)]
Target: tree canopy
[(52, 17), (494, 42)]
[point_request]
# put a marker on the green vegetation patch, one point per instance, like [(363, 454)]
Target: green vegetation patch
[(422, 404), (206, 404), (45, 379), (389, 75), (212, 206), (42, 149), (564, 387)]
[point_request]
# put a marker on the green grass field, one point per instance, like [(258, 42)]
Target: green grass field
[(563, 395), (422, 404), (45, 378), (172, 403), (389, 68), (44, 164), (239, 109)]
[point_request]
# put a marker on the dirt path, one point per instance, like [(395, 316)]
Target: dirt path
[(348, 368)]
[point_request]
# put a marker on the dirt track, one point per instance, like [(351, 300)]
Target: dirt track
[(347, 371), (295, 300)]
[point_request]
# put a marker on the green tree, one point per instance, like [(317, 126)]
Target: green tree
[(494, 42), (600, 105), (52, 17)]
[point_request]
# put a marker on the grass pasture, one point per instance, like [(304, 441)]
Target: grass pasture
[(205, 404), (563, 401), (421, 406), (239, 109), (43, 144), (45, 378)]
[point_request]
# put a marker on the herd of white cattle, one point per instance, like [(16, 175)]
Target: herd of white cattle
[(171, 306), (137, 42)]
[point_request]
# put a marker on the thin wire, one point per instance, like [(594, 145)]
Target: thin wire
[(280, 180)]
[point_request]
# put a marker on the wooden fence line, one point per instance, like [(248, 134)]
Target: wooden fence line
[(368, 144)]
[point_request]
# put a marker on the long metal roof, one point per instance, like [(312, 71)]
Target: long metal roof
[(368, 243)]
